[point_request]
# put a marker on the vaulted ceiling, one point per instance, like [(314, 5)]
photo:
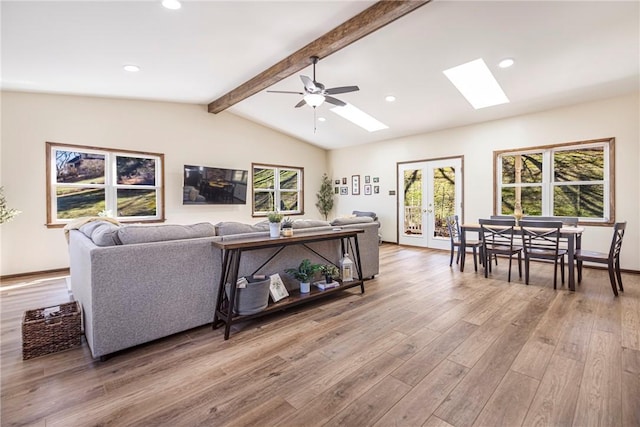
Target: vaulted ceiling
[(564, 52)]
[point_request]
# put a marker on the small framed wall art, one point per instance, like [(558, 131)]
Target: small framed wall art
[(367, 179), (367, 189), (355, 185), (376, 189), (344, 191)]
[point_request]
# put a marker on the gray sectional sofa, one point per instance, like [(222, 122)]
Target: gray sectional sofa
[(138, 283)]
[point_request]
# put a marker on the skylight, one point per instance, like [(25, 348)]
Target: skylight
[(359, 117), (476, 83)]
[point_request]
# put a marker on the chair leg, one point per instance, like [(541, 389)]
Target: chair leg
[(520, 264), (526, 270), (562, 269), (612, 277), (579, 264), (459, 255), (453, 249), (509, 277), (555, 273), (619, 275), (487, 265), (475, 259)]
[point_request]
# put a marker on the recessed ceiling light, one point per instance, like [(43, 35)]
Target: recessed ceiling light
[(322, 119), (359, 117), (476, 83), (506, 63), (171, 4), (389, 98), (131, 68)]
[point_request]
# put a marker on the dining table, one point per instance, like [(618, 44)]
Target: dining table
[(572, 234)]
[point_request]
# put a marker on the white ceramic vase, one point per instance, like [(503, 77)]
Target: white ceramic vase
[(305, 288), (274, 229)]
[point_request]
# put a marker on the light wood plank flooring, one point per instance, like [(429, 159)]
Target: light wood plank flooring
[(425, 345)]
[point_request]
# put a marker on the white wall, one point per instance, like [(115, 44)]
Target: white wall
[(617, 117), (186, 134)]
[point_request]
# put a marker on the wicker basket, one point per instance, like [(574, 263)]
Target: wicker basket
[(50, 329)]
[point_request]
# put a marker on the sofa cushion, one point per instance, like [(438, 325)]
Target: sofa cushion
[(231, 227), (366, 213), (102, 233), (354, 220), (308, 223), (133, 234)]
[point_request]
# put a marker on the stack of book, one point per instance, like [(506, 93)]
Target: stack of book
[(323, 285)]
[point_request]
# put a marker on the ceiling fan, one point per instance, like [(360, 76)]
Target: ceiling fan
[(315, 93)]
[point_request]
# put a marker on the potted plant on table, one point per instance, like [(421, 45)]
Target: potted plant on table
[(287, 227), (304, 273), (274, 223), (329, 271)]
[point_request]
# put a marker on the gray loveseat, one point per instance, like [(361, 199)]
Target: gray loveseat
[(139, 283)]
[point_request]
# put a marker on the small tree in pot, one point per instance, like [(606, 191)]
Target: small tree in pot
[(325, 197), (329, 271)]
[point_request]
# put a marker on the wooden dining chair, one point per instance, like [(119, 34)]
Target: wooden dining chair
[(612, 259), (497, 239), (541, 240), (453, 225)]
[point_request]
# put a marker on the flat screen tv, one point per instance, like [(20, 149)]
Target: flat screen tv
[(214, 186)]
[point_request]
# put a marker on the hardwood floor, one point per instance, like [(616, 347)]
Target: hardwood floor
[(425, 345)]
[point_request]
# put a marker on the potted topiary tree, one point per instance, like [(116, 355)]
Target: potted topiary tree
[(304, 273), (274, 223), (325, 197)]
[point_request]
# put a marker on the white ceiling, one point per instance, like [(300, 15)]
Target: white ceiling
[(565, 52)]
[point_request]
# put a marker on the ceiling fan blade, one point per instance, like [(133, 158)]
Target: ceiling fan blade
[(334, 101), (285, 91), (308, 84), (301, 103), (342, 89)]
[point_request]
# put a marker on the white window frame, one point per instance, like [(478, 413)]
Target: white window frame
[(110, 186), (548, 184), (276, 191)]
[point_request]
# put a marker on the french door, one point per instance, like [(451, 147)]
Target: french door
[(428, 192)]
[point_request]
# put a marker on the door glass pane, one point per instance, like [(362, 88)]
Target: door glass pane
[(444, 198), (413, 201)]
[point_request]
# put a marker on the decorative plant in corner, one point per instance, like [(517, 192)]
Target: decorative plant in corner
[(6, 214), (325, 197)]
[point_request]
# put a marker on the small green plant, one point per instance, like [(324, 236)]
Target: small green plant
[(287, 223), (329, 271), (304, 272), (6, 214), (274, 216)]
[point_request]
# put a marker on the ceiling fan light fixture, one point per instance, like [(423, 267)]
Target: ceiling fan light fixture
[(314, 99), (171, 4)]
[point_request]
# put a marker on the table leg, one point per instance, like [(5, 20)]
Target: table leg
[(233, 278), (571, 243), (463, 248)]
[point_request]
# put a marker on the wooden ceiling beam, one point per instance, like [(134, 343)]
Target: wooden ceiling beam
[(361, 25)]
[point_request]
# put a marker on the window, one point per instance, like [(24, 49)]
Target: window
[(277, 188), (87, 181), (574, 179)]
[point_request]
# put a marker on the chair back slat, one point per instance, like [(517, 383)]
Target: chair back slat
[(616, 242), (498, 232), (540, 237), (453, 226)]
